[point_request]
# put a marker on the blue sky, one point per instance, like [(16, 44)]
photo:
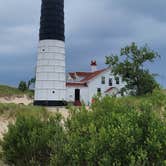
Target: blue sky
[(94, 29)]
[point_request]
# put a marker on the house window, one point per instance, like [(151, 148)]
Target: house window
[(102, 80), (110, 81), (117, 80), (98, 90)]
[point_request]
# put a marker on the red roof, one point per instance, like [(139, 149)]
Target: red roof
[(86, 77), (79, 74), (92, 75), (109, 89)]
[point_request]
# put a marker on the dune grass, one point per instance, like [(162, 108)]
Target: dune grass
[(7, 91), (11, 111)]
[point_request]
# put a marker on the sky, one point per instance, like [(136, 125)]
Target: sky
[(94, 29)]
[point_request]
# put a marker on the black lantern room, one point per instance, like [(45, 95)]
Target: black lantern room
[(52, 20)]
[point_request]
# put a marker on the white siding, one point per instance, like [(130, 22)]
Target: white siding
[(87, 93), (50, 73), (83, 94), (95, 83)]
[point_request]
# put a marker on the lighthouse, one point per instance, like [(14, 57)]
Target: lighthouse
[(50, 87)]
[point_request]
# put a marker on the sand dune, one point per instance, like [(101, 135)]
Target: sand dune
[(17, 100)]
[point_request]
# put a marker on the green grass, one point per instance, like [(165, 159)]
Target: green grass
[(11, 111), (7, 91)]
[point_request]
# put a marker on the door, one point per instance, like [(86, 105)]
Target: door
[(77, 94)]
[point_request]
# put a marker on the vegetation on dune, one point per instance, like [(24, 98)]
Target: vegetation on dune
[(7, 91), (22, 86), (117, 131), (28, 142), (13, 110)]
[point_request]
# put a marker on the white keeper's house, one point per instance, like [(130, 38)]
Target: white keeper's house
[(83, 86)]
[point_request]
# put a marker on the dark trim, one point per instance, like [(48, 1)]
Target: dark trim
[(49, 103)]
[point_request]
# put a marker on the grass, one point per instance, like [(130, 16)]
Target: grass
[(7, 91), (11, 111)]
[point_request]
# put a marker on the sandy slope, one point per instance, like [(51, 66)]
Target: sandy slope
[(3, 126), (16, 99)]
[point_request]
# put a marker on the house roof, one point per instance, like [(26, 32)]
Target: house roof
[(92, 75), (79, 74), (84, 77), (109, 89)]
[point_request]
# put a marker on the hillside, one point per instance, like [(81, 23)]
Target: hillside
[(7, 91), (13, 95)]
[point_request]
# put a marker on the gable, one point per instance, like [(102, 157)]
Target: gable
[(82, 78)]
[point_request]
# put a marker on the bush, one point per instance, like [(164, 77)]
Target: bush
[(28, 140), (125, 131), (116, 132), (22, 86)]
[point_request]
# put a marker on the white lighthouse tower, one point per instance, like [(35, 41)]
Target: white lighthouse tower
[(50, 87)]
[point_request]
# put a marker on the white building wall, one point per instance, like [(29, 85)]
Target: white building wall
[(50, 73), (84, 95), (87, 93), (95, 83)]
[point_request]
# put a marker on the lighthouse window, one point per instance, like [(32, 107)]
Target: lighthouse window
[(102, 80), (117, 80), (110, 81), (98, 90)]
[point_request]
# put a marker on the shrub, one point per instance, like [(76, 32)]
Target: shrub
[(22, 86), (115, 132), (28, 140), (125, 131)]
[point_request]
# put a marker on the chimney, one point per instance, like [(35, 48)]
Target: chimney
[(93, 66)]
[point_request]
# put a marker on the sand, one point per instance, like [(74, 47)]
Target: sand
[(17, 100), (3, 126)]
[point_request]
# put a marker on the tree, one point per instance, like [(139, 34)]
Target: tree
[(31, 81), (22, 86), (130, 65)]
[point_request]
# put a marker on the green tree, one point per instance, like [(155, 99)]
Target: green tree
[(22, 86), (31, 81), (130, 65)]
